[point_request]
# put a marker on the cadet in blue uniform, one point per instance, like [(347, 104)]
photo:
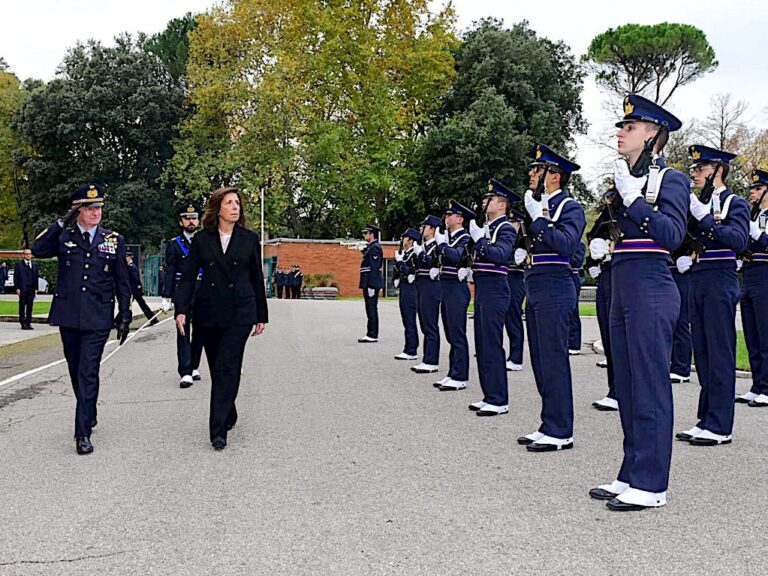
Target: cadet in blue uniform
[(429, 295), (189, 349), (682, 342), (92, 274), (493, 247), (754, 292), (371, 281), (405, 281), (577, 275), (137, 288), (723, 231), (557, 224), (651, 211), (514, 319), (454, 272)]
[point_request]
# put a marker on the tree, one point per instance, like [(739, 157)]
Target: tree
[(512, 90), (171, 46), (723, 123), (652, 60), (109, 117)]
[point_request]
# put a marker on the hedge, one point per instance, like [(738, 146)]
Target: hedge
[(49, 268)]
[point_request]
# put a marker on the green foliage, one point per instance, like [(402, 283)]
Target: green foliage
[(653, 60), (171, 46), (48, 269), (327, 280)]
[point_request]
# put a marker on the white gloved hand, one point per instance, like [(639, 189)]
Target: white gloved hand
[(396, 282), (434, 273), (411, 278), (398, 256), (739, 264), (440, 238), (629, 187), (417, 248), (594, 271), (475, 231), (599, 248), (362, 246), (166, 304), (754, 230), (371, 292), (684, 264), (698, 209), (462, 274), (533, 207), (520, 255)]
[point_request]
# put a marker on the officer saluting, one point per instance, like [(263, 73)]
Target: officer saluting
[(92, 274), (651, 212), (722, 229), (371, 281), (188, 349), (405, 281)]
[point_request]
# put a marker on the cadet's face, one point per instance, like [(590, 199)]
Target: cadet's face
[(756, 192), (407, 243), (189, 224), (453, 221), (89, 216), (533, 176), (632, 136), (427, 232), (230, 208), (700, 173), (367, 236)]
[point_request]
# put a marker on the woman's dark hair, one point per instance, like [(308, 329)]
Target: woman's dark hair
[(211, 216)]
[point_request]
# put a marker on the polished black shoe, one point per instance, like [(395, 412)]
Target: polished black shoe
[(537, 447), (524, 441), (231, 425), (84, 445), (618, 506), (684, 436), (219, 443), (753, 404), (94, 422), (196, 377), (26, 328), (601, 494), (707, 441)]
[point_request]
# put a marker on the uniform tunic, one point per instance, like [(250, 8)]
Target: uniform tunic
[(429, 296), (371, 278), (754, 307), (455, 303), (408, 302)]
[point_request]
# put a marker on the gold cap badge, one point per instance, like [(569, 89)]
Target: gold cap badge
[(628, 107)]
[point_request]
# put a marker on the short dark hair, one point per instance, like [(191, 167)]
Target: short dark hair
[(211, 216)]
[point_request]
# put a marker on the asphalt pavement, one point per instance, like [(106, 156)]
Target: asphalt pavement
[(344, 462)]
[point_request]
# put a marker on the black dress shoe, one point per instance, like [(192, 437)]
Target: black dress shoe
[(196, 377), (600, 494), (684, 436), (618, 506), (94, 422), (185, 384), (707, 441), (602, 408), (753, 404), (524, 441), (84, 445), (231, 425), (536, 447), (740, 400), (219, 443)]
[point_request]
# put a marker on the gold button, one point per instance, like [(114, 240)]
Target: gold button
[(85, 277)]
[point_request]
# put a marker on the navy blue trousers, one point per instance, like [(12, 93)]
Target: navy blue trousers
[(372, 313), (408, 313), (454, 313), (574, 329), (645, 304), (682, 342), (549, 305), (429, 294), (83, 350), (603, 307), (714, 295), (491, 304), (754, 318), (514, 319)]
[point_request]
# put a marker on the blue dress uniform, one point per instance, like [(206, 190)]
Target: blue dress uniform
[(603, 309), (577, 274), (490, 269), (429, 296), (406, 284), (454, 274), (137, 291), (754, 302), (682, 341), (645, 305), (723, 232), (514, 318), (91, 276), (551, 298), (371, 280)]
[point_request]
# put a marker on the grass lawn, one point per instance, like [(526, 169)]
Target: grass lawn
[(12, 308), (742, 360), (585, 308)]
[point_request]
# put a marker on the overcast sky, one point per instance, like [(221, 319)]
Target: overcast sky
[(34, 36)]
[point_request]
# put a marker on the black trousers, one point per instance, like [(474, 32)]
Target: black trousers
[(189, 349), (372, 313), (26, 299), (83, 350), (224, 349), (144, 306), (279, 291)]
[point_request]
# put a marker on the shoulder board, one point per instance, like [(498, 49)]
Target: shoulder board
[(559, 209)]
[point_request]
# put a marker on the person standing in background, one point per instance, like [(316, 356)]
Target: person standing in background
[(25, 279)]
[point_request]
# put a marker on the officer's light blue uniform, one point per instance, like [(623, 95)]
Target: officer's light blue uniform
[(490, 270), (577, 272), (645, 305), (371, 277), (754, 299), (407, 296), (514, 319), (91, 276), (713, 299), (551, 297), (456, 296), (430, 295)]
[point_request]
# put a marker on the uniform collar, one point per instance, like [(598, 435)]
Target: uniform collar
[(555, 193), (497, 221), (91, 231), (187, 236), (720, 190), (457, 233)]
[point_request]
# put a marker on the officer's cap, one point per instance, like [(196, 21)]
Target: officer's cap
[(431, 220), (411, 233), (372, 228), (88, 195), (758, 177), (639, 109), (496, 188), (704, 155), (545, 156), (189, 210), (457, 208)]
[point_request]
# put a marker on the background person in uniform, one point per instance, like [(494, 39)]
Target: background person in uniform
[(230, 304), (298, 282), (92, 273), (405, 263), (577, 274), (137, 289), (279, 282), (514, 319), (429, 294), (3, 276), (371, 281), (682, 341), (25, 278), (188, 348)]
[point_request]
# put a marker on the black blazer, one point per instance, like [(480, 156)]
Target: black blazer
[(231, 291), (24, 278)]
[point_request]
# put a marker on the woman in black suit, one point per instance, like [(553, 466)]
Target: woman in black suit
[(230, 304)]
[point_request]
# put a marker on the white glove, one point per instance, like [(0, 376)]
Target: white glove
[(440, 238), (520, 255), (698, 209), (594, 271), (371, 292), (684, 264), (362, 246), (629, 187), (599, 248), (398, 256), (417, 248), (475, 231), (532, 206), (739, 264), (396, 282), (754, 230), (434, 273), (411, 278), (462, 274), (166, 304)]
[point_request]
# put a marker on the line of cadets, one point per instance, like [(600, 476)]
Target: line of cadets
[(667, 288), (289, 282)]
